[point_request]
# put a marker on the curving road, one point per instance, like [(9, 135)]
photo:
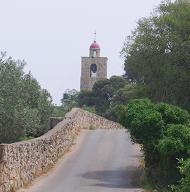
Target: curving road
[(101, 161)]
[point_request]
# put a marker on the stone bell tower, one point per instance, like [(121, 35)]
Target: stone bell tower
[(93, 68)]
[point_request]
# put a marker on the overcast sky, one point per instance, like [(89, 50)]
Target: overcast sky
[(52, 35)]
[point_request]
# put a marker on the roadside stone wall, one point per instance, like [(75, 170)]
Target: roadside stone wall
[(21, 162)]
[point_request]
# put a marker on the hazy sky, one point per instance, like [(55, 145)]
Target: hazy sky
[(52, 35)]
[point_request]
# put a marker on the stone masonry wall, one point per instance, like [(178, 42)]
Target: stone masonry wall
[(87, 82), (21, 162)]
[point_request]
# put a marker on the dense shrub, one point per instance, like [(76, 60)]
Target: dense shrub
[(133, 108), (117, 113), (58, 111), (89, 109), (147, 126), (172, 114), (175, 141), (163, 130), (184, 185), (173, 146)]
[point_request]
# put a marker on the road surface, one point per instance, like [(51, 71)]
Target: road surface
[(101, 161)]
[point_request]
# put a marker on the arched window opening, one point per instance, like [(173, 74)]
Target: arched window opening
[(94, 54), (93, 70)]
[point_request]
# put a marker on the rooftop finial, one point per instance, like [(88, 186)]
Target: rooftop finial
[(95, 36)]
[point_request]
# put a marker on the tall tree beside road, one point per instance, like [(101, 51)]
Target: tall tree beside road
[(24, 106), (157, 53)]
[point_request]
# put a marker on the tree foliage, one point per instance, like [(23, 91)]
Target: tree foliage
[(108, 93), (70, 99), (184, 184), (157, 53), (128, 92), (24, 106), (172, 114), (101, 96), (163, 130)]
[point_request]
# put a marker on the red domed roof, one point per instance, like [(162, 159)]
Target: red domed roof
[(94, 45)]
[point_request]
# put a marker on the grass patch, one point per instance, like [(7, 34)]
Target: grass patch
[(25, 138), (92, 127)]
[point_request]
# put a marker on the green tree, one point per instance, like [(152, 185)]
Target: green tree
[(157, 53), (128, 92), (101, 96), (58, 111), (24, 106), (184, 184), (163, 130), (69, 99), (172, 114), (86, 98)]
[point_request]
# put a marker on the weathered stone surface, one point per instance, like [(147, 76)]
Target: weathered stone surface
[(21, 162), (87, 81)]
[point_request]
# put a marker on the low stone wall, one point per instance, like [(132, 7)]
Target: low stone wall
[(21, 162)]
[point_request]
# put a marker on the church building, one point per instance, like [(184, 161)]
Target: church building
[(93, 68)]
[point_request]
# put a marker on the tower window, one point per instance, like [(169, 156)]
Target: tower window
[(94, 53), (93, 70)]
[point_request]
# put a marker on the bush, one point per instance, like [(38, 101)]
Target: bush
[(144, 122), (175, 141), (184, 184), (147, 126), (117, 113), (163, 130), (89, 109), (134, 107), (172, 114), (58, 111), (173, 146)]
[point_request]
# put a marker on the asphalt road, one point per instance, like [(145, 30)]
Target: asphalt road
[(101, 161)]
